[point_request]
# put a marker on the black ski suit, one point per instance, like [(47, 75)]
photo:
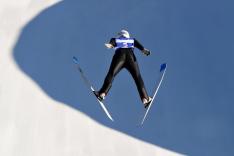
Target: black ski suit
[(125, 58)]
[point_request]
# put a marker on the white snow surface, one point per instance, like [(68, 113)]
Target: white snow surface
[(33, 124)]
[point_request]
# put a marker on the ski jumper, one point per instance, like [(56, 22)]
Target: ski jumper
[(124, 58)]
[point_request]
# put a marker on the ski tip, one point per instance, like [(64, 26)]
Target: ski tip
[(75, 60), (163, 67)]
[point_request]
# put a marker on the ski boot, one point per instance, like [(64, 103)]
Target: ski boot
[(99, 96), (146, 102)]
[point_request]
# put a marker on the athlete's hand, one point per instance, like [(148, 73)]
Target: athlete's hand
[(146, 52), (109, 46)]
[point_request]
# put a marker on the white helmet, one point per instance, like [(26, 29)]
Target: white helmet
[(124, 33)]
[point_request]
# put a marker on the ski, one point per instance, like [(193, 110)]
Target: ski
[(88, 84), (158, 84)]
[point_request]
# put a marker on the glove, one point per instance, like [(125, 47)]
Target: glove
[(109, 46), (146, 52)]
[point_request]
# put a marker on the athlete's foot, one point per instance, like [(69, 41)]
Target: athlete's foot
[(146, 102), (100, 96)]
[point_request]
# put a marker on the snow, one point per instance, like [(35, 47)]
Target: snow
[(33, 123)]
